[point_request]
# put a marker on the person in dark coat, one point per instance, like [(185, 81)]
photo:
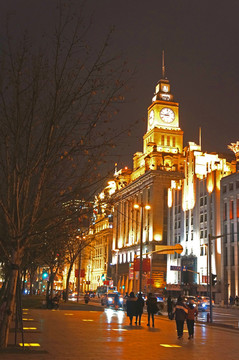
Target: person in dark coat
[(180, 312), (170, 307), (192, 312), (131, 306), (139, 308), (152, 308), (116, 301)]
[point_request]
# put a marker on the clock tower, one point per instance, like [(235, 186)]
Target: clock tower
[(163, 129)]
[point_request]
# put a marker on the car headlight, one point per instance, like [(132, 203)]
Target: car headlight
[(121, 300), (204, 305), (110, 300)]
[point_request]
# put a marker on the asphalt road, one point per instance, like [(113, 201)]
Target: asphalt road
[(224, 316), (92, 335)]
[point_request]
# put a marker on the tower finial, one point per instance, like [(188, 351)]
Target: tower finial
[(163, 66)]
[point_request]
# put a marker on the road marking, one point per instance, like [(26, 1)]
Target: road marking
[(29, 344), (68, 314), (87, 320), (28, 319), (118, 329), (29, 328), (170, 345)]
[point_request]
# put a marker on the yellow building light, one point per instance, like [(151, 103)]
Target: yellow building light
[(170, 198), (101, 196), (157, 237), (210, 183)]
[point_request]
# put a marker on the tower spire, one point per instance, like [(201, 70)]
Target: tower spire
[(163, 66)]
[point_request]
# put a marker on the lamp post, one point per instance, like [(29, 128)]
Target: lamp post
[(210, 272), (117, 268), (141, 207), (210, 238)]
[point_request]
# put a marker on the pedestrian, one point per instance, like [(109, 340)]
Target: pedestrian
[(192, 312), (124, 300), (152, 308), (131, 306), (116, 301), (180, 312), (231, 300), (139, 308), (170, 307)]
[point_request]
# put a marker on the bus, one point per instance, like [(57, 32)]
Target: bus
[(105, 289)]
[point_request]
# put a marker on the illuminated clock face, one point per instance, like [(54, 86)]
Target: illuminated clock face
[(151, 118), (167, 115), (165, 88)]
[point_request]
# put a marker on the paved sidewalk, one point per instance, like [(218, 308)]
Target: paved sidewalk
[(93, 335)]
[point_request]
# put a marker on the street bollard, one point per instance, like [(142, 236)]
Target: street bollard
[(208, 317)]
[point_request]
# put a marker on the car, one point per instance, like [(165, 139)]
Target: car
[(204, 303), (160, 301), (72, 295), (191, 299), (109, 300)]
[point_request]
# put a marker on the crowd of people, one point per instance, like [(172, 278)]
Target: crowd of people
[(135, 306), (180, 312), (234, 301)]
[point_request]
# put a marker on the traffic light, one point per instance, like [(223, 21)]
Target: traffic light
[(214, 279), (44, 274), (103, 277)]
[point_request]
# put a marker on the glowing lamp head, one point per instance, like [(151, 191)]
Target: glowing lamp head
[(136, 206), (147, 207)]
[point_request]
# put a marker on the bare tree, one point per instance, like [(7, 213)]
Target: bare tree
[(56, 106)]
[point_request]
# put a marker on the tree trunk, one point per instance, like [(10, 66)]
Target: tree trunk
[(52, 277), (68, 280), (11, 300)]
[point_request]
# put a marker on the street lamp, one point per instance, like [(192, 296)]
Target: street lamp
[(141, 207)]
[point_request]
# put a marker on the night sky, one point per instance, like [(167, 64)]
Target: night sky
[(201, 44)]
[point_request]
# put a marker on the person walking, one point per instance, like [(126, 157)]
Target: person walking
[(139, 308), (170, 307), (192, 312), (231, 300), (131, 306), (180, 312), (152, 308), (116, 301)]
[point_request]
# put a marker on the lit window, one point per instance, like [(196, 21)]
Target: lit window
[(231, 209)]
